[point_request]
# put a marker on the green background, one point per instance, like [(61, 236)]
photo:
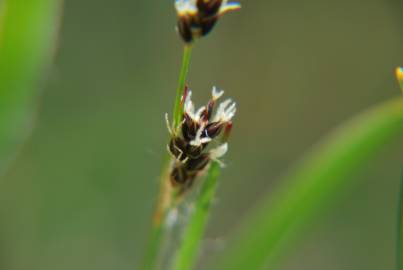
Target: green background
[(81, 192)]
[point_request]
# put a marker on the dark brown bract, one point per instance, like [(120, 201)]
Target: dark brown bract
[(191, 144)]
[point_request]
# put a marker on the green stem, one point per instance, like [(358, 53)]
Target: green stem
[(187, 253), (177, 113), (151, 256), (152, 250), (150, 260)]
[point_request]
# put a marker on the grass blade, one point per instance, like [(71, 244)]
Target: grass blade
[(187, 253), (27, 30), (309, 188), (399, 249)]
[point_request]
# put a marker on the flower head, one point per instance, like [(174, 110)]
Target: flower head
[(196, 18), (190, 145)]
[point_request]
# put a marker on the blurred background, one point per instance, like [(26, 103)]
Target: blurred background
[(81, 193)]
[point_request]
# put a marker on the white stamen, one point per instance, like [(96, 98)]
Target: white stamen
[(185, 160), (222, 106), (216, 93), (225, 111), (226, 7), (169, 151), (188, 106), (205, 140), (189, 7), (180, 152), (199, 112), (229, 112), (219, 151), (188, 100), (185, 7), (198, 140), (168, 124)]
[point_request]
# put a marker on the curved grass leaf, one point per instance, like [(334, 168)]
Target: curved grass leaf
[(311, 186)]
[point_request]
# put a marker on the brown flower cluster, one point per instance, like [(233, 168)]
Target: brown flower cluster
[(190, 144)]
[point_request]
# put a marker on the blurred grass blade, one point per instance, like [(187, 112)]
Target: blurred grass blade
[(399, 249), (27, 34), (308, 189), (187, 253)]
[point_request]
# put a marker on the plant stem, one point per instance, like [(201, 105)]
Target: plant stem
[(166, 192), (187, 253), (152, 250), (150, 260), (177, 113)]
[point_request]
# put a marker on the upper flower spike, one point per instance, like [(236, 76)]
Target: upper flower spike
[(196, 18)]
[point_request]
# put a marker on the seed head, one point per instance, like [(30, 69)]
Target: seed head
[(190, 144), (196, 18)]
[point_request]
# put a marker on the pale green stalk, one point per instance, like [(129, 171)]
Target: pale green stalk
[(177, 113), (166, 196), (309, 189), (186, 255), (152, 252)]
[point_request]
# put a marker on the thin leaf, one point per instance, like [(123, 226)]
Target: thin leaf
[(309, 189)]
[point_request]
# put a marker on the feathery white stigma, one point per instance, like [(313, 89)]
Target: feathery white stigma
[(198, 140), (216, 93), (219, 151), (225, 111), (199, 113), (188, 105), (227, 7)]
